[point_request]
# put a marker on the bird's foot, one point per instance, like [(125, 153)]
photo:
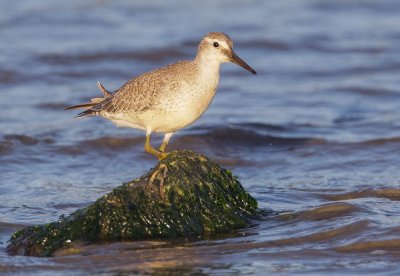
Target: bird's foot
[(161, 155)]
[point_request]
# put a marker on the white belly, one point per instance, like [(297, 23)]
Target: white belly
[(169, 116), (174, 115)]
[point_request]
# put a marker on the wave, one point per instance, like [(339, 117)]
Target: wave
[(214, 138), (388, 193), (101, 144), (366, 91), (337, 233), (254, 134), (151, 55), (8, 76), (237, 135), (368, 246), (11, 141), (381, 141)]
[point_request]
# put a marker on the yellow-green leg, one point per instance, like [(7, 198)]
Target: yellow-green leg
[(165, 141), (147, 146)]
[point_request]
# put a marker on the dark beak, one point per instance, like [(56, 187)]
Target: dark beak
[(236, 59)]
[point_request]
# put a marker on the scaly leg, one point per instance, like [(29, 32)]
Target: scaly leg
[(165, 141), (147, 146)]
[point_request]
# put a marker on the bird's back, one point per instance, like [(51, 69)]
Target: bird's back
[(144, 91)]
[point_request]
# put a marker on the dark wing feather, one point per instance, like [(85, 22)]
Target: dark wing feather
[(136, 95), (141, 93)]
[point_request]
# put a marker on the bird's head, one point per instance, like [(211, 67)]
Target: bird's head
[(219, 46)]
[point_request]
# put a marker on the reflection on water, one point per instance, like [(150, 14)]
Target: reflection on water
[(315, 136)]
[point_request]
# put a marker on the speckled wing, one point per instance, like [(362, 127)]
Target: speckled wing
[(136, 95), (143, 92)]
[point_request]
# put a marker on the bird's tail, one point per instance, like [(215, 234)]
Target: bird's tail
[(86, 113), (91, 111), (79, 106)]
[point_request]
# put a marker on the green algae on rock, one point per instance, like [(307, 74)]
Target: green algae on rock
[(185, 195)]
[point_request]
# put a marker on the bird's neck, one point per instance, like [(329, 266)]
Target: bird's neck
[(208, 67), (207, 78)]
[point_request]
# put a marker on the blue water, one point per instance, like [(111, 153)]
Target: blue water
[(314, 136)]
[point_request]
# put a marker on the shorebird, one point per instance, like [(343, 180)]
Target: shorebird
[(169, 98)]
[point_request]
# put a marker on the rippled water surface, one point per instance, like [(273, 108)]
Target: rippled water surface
[(315, 136)]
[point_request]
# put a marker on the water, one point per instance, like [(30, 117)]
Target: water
[(315, 136)]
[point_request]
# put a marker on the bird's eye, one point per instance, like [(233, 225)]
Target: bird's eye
[(216, 44)]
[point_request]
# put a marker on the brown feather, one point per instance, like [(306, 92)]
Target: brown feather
[(85, 105), (105, 92)]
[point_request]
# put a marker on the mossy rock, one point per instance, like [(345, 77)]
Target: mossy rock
[(185, 195)]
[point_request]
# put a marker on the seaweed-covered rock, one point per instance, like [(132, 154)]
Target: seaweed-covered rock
[(185, 195)]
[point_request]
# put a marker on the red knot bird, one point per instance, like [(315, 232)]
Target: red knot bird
[(170, 98)]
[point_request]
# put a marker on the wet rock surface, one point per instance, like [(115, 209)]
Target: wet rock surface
[(185, 195)]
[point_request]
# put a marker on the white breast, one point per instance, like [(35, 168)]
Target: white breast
[(185, 107)]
